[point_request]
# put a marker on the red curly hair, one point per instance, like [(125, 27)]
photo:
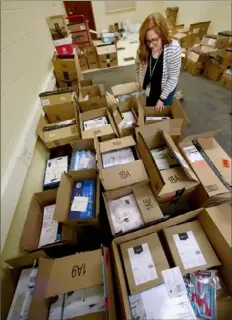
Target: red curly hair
[(156, 22)]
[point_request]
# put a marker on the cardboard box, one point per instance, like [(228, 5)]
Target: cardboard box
[(125, 129), (83, 62), (86, 83), (92, 57), (57, 137), (64, 195), (143, 260), (10, 276), (145, 199), (199, 29), (198, 215), (59, 105), (124, 174), (107, 56), (213, 70), (209, 40), (33, 225), (96, 97), (217, 225), (190, 248), (106, 132), (224, 40), (67, 70), (123, 89), (198, 149), (175, 112), (85, 162), (196, 58), (226, 79), (174, 181), (57, 27), (73, 26), (79, 271), (186, 40)]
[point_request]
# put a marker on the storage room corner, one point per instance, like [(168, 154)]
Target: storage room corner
[(116, 152)]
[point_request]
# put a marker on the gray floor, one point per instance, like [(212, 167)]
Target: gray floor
[(206, 103)]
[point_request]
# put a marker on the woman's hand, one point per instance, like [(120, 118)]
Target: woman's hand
[(138, 86), (159, 105)]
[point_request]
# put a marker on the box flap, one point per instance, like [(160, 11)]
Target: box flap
[(106, 49), (26, 259), (179, 113), (179, 157), (179, 36), (83, 144), (208, 134), (125, 88), (41, 124), (78, 271), (117, 143)]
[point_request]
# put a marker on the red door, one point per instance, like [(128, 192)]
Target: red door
[(81, 7)]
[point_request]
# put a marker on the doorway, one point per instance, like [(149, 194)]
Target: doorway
[(81, 7)]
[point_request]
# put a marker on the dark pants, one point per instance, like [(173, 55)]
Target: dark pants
[(167, 102)]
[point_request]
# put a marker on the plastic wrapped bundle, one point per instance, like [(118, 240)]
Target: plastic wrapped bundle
[(83, 160)]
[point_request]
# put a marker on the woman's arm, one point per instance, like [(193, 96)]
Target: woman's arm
[(173, 73)]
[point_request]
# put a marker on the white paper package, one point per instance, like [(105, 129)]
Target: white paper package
[(19, 296), (117, 157), (125, 214), (49, 227), (95, 123), (164, 159), (157, 305), (83, 302), (128, 120), (156, 118), (56, 307), (54, 169)]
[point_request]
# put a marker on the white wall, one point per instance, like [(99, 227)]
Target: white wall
[(218, 12), (143, 9), (26, 52)]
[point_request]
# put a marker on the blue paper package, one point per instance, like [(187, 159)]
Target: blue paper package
[(82, 201)]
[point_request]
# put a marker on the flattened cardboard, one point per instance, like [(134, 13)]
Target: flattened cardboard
[(106, 132), (212, 190), (202, 241), (175, 112), (59, 105), (129, 105), (96, 100), (147, 204), (64, 194), (173, 181), (81, 270), (33, 224), (107, 56), (125, 88), (158, 256), (58, 137), (124, 174)]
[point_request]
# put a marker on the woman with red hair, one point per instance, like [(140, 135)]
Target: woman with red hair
[(158, 62)]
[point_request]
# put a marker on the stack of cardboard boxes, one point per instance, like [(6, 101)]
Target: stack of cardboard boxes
[(122, 191)]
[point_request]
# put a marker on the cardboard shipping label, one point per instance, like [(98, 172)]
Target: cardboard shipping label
[(193, 154), (189, 250), (174, 282), (142, 264)]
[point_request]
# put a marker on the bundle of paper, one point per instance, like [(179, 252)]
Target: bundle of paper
[(59, 125), (95, 123), (164, 158), (83, 160), (128, 120), (117, 157), (125, 214), (82, 202)]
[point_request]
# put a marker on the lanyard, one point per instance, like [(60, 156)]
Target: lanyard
[(152, 71)]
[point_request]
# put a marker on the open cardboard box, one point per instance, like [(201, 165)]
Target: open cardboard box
[(57, 137), (124, 174), (86, 83), (83, 144), (64, 195), (106, 132), (59, 105), (71, 273), (224, 39), (10, 277), (145, 199), (218, 234), (199, 29), (226, 79), (96, 97), (209, 40), (198, 149), (175, 111), (92, 57), (125, 88), (33, 224), (172, 182), (118, 109)]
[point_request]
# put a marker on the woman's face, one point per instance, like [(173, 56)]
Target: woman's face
[(153, 41)]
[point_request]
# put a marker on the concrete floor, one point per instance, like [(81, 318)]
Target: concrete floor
[(206, 103)]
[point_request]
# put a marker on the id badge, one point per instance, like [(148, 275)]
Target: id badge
[(148, 89)]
